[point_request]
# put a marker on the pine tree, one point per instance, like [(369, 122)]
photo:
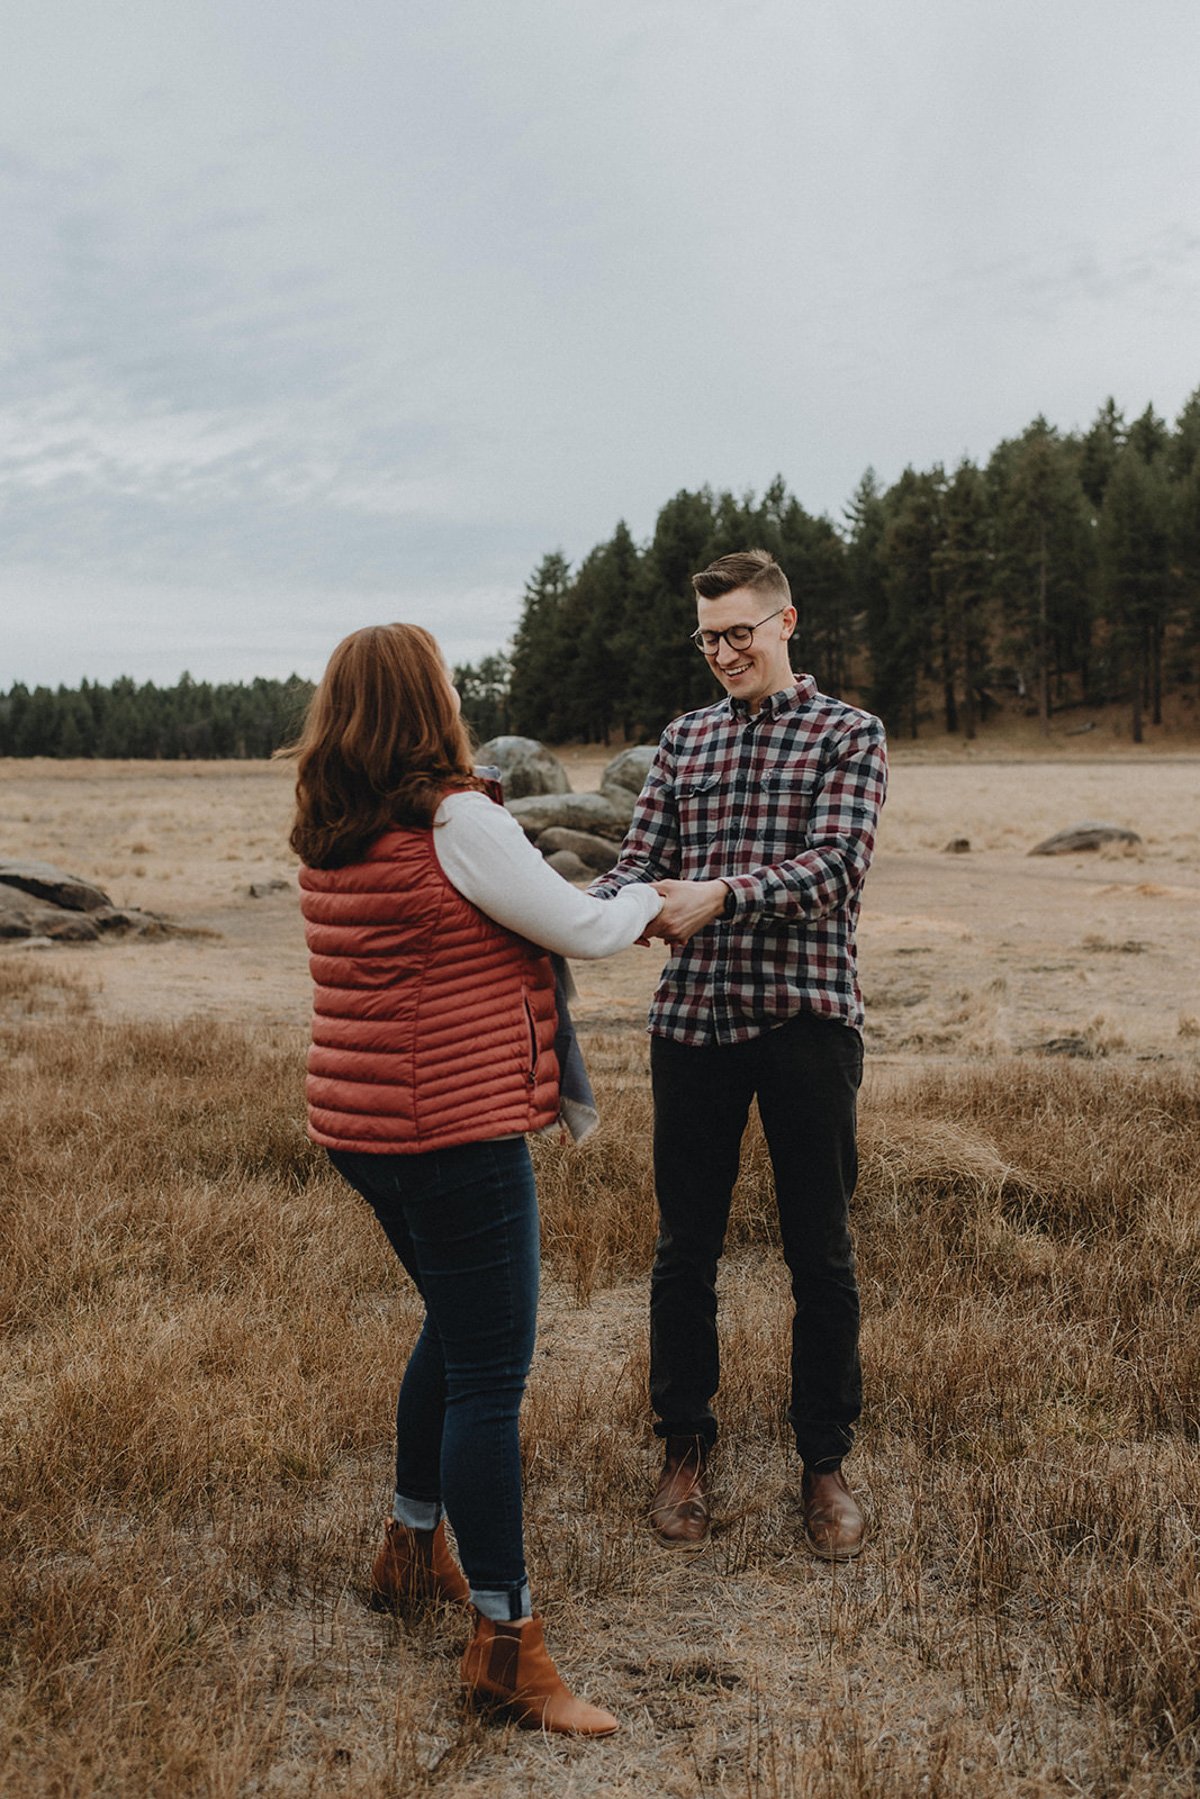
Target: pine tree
[(1098, 450), (1044, 563), (1134, 539), (37, 732), (484, 695), (540, 653), (601, 620), (1149, 436), (813, 556), (866, 520), (914, 610), (1183, 466), (1184, 449), (965, 559), (666, 676)]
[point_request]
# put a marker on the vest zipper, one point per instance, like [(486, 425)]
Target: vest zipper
[(531, 1077)]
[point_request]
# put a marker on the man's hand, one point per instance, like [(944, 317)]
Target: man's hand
[(688, 906)]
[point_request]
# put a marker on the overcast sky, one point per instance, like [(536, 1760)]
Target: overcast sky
[(316, 315)]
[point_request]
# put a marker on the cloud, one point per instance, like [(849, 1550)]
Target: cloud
[(383, 306)]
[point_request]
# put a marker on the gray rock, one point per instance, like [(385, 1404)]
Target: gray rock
[(622, 803), (526, 767), (69, 927), (957, 846), (567, 864), (625, 775), (576, 811), (45, 882), (599, 853), (272, 884), (128, 921), (23, 915), (1088, 836)]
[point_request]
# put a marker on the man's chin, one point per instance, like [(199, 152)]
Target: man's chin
[(741, 690)]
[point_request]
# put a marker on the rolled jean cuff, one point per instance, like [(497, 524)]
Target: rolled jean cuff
[(417, 1514), (706, 1430), (503, 1605), (828, 1464)]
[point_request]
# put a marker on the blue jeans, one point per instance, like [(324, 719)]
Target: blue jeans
[(464, 1223)]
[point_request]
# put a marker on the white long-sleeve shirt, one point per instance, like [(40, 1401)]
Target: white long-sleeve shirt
[(486, 856)]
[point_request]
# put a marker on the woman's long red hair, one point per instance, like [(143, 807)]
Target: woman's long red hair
[(381, 744)]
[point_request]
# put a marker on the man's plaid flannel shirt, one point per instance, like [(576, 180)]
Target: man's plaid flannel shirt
[(784, 803)]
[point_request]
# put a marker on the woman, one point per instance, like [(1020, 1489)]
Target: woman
[(428, 915)]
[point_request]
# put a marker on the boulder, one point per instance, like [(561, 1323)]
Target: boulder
[(46, 882), (1088, 836), (567, 864), (23, 915), (576, 811), (957, 846), (622, 804), (526, 767), (625, 775), (598, 853)]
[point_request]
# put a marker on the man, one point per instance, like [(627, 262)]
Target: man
[(757, 822)]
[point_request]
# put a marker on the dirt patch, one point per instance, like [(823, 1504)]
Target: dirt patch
[(967, 955)]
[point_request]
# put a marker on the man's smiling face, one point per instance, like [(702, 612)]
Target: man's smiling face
[(762, 668)]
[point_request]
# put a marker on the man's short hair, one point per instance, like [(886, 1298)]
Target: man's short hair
[(757, 569)]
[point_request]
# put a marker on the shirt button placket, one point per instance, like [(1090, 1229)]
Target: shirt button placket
[(735, 830)]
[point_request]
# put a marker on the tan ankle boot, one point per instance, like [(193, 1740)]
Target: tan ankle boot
[(507, 1666), (415, 1567)]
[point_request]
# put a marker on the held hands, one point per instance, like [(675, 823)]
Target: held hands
[(687, 907)]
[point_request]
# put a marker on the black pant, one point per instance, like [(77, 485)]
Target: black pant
[(806, 1076)]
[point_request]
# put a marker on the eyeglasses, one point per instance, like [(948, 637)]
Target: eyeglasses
[(738, 637)]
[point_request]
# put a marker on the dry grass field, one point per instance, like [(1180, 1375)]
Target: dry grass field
[(202, 1331)]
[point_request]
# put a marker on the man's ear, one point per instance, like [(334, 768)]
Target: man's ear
[(790, 616)]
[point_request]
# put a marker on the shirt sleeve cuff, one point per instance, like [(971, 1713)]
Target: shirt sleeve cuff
[(747, 896)]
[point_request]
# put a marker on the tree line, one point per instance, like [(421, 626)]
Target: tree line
[(190, 719), (1064, 571)]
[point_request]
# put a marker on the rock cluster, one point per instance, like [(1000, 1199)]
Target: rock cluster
[(578, 833), (39, 900)]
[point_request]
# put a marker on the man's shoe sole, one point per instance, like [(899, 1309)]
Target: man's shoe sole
[(832, 1555), (681, 1545)]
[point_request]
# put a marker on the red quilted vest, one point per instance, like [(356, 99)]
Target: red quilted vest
[(432, 1024)]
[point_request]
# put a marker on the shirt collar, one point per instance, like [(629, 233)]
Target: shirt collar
[(789, 699)]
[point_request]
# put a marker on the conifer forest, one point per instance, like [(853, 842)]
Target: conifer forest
[(1062, 573)]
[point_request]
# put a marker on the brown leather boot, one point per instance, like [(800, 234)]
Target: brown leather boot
[(507, 1666), (833, 1524), (679, 1509), (415, 1567)]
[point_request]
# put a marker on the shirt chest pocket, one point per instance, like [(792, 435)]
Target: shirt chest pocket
[(788, 795), (701, 805)]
